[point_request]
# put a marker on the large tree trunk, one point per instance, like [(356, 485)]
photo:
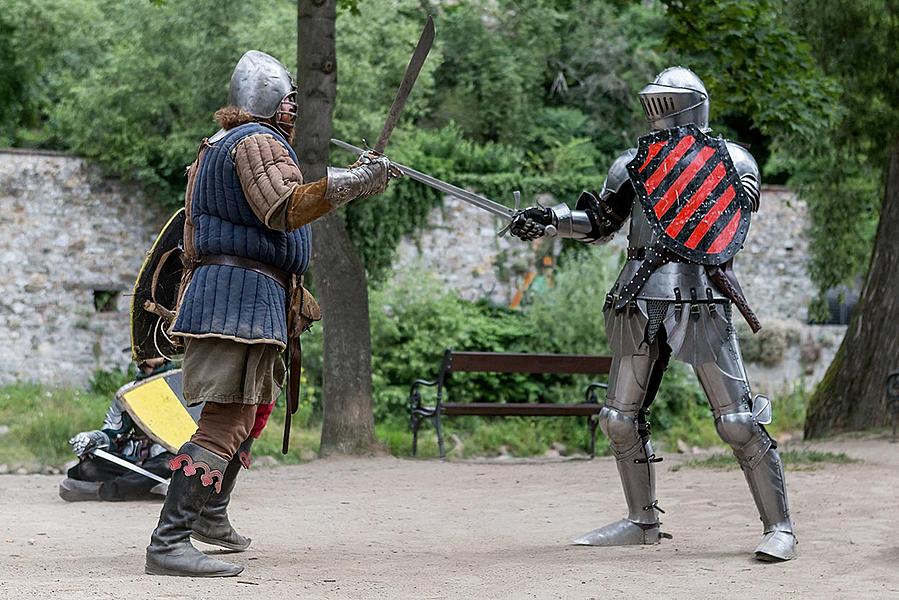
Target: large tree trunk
[(851, 396), (338, 273)]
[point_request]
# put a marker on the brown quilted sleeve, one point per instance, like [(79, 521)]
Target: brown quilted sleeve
[(268, 176)]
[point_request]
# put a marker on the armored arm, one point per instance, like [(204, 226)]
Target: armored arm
[(594, 219), (748, 171), (274, 187)]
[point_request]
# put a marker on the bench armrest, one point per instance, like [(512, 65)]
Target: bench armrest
[(590, 393), (415, 396)]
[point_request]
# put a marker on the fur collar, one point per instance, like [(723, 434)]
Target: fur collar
[(230, 117)]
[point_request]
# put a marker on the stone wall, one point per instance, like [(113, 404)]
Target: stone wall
[(70, 239), (461, 249), (71, 243)]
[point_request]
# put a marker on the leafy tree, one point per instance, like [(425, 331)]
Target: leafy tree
[(857, 185)]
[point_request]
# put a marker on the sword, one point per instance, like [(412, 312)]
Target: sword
[(124, 463), (402, 93), (491, 206)]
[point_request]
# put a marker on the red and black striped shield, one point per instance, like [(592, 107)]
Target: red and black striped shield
[(691, 194)]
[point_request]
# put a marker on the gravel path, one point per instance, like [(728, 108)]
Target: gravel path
[(389, 528)]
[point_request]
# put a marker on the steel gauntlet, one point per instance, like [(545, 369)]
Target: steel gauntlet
[(368, 176)]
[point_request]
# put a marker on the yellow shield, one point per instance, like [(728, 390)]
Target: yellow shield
[(157, 406)]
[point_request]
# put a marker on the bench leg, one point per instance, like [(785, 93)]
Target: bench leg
[(593, 421), (415, 423), (439, 428)]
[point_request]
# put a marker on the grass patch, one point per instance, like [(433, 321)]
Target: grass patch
[(42, 420), (467, 437), (795, 460)]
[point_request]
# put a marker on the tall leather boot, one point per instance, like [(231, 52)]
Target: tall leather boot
[(213, 526), (197, 475)]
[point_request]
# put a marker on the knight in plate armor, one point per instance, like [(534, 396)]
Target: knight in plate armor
[(241, 302), (689, 199)]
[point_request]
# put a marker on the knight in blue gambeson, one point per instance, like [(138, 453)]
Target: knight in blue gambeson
[(241, 302)]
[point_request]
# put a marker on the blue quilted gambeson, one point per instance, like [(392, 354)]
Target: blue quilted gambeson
[(229, 301)]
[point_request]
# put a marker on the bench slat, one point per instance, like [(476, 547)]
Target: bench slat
[(508, 362), (520, 409)]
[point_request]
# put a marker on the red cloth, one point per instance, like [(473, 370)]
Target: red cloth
[(263, 412)]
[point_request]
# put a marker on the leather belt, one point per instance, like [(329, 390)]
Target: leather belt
[(722, 275), (228, 260), (294, 349)]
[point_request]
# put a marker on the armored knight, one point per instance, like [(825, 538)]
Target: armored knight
[(246, 244), (688, 197)]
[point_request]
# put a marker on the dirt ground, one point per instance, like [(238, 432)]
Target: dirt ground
[(389, 528)]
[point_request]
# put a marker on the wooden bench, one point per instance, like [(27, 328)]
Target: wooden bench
[(497, 362)]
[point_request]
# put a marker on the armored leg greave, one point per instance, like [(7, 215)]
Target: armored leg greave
[(213, 526), (633, 382), (728, 392), (197, 475)]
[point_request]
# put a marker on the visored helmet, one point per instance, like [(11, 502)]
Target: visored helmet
[(676, 97), (264, 88)]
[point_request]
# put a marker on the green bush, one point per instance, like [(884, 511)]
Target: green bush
[(107, 383), (414, 319)]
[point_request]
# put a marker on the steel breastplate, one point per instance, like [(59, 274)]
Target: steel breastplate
[(663, 282)]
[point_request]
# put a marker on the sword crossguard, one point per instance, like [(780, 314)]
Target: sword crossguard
[(516, 195)]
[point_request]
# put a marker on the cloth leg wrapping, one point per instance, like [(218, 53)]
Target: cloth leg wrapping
[(223, 427)]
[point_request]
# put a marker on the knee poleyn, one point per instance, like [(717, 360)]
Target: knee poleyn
[(621, 429), (748, 440)]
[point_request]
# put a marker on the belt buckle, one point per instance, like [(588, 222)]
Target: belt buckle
[(694, 305)]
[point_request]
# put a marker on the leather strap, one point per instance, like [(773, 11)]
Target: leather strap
[(640, 254), (295, 362), (282, 277), (655, 257)]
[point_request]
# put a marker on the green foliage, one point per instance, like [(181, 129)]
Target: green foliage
[(842, 171), (495, 66), (484, 113), (537, 98), (754, 63)]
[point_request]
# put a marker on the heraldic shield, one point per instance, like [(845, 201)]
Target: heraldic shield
[(156, 293), (691, 194), (157, 406)]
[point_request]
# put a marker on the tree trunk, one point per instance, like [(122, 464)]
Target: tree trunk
[(339, 276), (851, 396)]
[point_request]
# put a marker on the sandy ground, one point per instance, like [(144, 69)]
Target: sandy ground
[(389, 528)]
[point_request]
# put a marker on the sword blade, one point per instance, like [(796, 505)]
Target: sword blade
[(124, 463), (447, 188), (402, 93)]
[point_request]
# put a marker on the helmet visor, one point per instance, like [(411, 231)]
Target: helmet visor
[(661, 101)]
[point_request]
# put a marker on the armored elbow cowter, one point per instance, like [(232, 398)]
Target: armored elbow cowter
[(748, 171), (367, 177)]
